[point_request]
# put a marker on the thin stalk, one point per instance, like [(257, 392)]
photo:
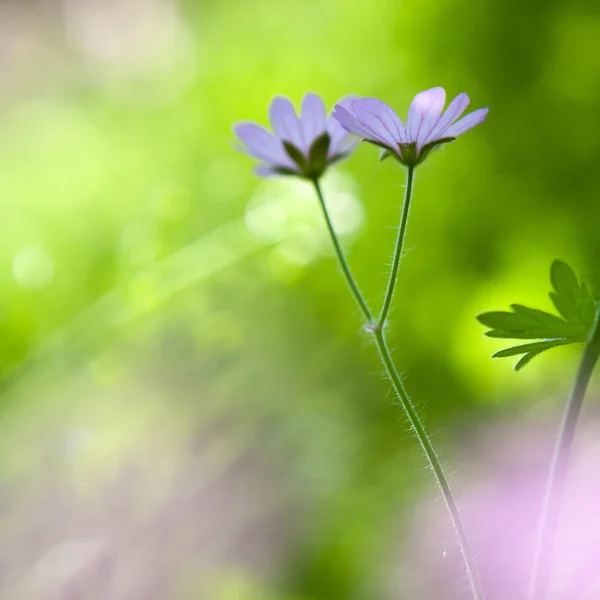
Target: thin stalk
[(544, 550), (434, 463), (404, 398), (342, 259), (398, 251)]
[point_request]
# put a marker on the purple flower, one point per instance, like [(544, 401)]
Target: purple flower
[(304, 146), (426, 127)]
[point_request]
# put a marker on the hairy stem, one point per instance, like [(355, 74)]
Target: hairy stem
[(398, 251), (544, 550), (434, 463), (404, 398)]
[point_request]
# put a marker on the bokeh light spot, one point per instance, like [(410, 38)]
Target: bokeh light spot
[(285, 212), (32, 268)]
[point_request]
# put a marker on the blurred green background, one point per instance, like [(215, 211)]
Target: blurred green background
[(189, 407)]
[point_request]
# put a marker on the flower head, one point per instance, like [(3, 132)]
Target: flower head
[(426, 127), (304, 146)]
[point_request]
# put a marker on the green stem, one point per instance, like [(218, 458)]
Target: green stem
[(544, 550), (434, 463), (405, 400), (398, 251), (342, 259)]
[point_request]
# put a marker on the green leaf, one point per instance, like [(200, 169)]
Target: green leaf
[(497, 319), (546, 322), (566, 294), (499, 333), (527, 323), (530, 351), (572, 300), (524, 360), (533, 347)]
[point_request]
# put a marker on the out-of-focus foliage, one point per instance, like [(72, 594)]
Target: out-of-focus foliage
[(189, 405)]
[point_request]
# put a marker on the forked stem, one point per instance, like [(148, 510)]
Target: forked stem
[(401, 392), (544, 550)]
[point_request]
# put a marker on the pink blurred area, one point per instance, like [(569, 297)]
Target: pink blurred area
[(500, 483), (44, 43)]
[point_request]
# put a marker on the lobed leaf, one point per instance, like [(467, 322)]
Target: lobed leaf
[(533, 347), (527, 323), (574, 303), (525, 359), (566, 293)]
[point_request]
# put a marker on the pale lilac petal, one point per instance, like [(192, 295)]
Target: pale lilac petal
[(375, 121), (334, 128), (456, 108), (378, 131), (336, 132), (341, 141), (466, 123), (424, 113), (265, 171), (312, 120), (346, 101), (432, 114), (285, 123), (349, 122), (386, 115), (344, 145), (261, 144)]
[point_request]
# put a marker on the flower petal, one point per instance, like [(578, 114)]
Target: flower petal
[(424, 113), (261, 144), (265, 171), (336, 132), (335, 129), (456, 108), (466, 123), (285, 123), (349, 122), (389, 124), (343, 144), (312, 120), (342, 141), (346, 145)]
